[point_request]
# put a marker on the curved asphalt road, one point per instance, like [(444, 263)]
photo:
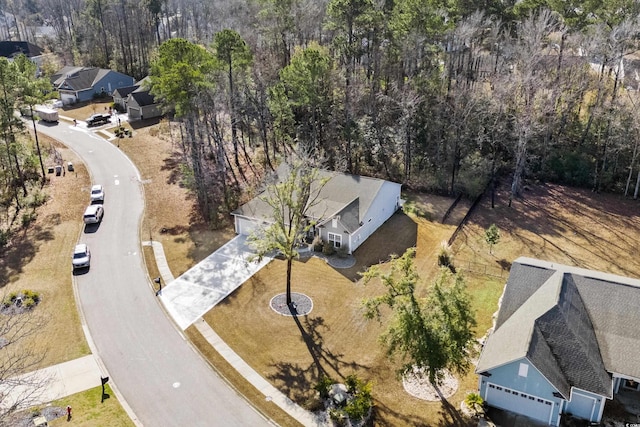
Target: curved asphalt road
[(159, 375)]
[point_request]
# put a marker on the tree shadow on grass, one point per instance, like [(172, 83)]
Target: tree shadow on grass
[(385, 416), (450, 416), (172, 164), (21, 250), (294, 380)]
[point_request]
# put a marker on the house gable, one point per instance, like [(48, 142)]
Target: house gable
[(522, 376), (534, 383)]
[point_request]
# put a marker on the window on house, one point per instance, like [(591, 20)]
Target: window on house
[(334, 223), (335, 240), (524, 370)]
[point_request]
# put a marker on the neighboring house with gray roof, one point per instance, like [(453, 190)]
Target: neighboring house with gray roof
[(137, 101), (121, 95), (77, 84), (349, 208), (565, 339), (10, 49)]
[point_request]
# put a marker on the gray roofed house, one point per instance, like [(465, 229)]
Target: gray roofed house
[(349, 208), (138, 101), (120, 96), (77, 84), (10, 49), (565, 340)]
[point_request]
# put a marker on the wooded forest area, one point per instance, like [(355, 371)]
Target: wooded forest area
[(436, 95)]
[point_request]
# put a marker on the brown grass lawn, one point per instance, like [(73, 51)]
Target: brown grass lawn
[(82, 110), (39, 259), (334, 339)]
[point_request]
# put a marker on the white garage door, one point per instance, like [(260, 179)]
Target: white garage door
[(67, 98), (520, 403), (581, 406), (245, 226)]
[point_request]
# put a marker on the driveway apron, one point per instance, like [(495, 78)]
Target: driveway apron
[(198, 290)]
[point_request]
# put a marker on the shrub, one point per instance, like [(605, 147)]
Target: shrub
[(475, 402), (323, 386), (27, 294), (9, 299), (342, 251), (358, 406), (338, 416), (327, 248), (445, 256), (27, 218), (38, 198), (317, 244)]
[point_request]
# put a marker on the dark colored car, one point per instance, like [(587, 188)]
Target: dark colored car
[(98, 119)]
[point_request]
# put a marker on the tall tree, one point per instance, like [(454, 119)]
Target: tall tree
[(181, 79), (431, 334), (31, 92), (232, 51), (289, 201), (351, 20), (307, 91)]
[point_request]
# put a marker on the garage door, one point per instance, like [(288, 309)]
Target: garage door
[(67, 98), (245, 226), (520, 403), (581, 406)]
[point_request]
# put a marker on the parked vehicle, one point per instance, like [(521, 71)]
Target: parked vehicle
[(93, 214), (47, 114), (97, 193), (81, 256), (98, 119)]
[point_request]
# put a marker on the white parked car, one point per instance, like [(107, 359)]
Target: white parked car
[(97, 193), (93, 214), (81, 256)]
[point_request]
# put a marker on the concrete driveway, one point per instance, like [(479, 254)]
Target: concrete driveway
[(206, 284)]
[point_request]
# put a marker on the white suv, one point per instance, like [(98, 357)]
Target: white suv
[(93, 214), (81, 256), (97, 193)]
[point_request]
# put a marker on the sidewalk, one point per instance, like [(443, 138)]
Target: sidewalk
[(57, 381)]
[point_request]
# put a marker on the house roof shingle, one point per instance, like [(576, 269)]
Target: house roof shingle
[(10, 49), (576, 326), (142, 97), (123, 92), (78, 78), (349, 196)]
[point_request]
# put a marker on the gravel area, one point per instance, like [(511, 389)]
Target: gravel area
[(25, 418), (301, 305), (418, 385)]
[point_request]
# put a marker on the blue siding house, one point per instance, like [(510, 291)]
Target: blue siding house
[(77, 84), (564, 341)]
